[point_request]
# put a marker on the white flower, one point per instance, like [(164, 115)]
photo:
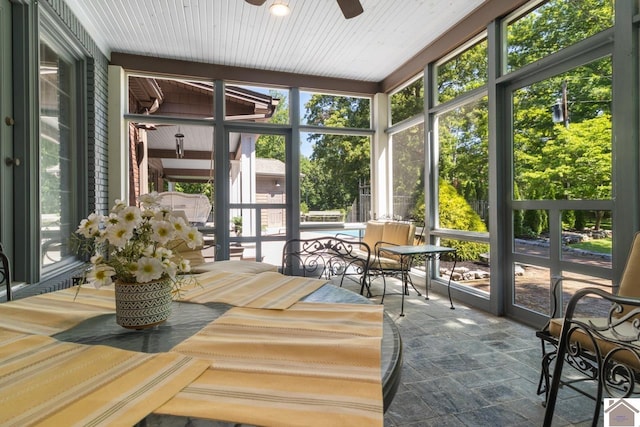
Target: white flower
[(100, 275), (149, 269), (193, 238), (149, 251), (131, 216), (163, 231), (170, 267), (118, 235), (179, 225), (184, 266), (163, 253), (130, 244), (118, 206), (90, 226)]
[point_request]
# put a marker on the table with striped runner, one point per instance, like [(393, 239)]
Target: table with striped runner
[(269, 289), (313, 364), (48, 382), (54, 312)]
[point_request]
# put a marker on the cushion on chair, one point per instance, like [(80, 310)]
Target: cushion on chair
[(624, 329), (373, 233), (397, 233)]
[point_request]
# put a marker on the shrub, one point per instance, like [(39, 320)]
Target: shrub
[(456, 214)]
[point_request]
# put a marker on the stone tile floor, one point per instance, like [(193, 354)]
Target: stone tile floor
[(465, 367)]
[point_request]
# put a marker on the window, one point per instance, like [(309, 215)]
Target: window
[(464, 167), (256, 104), (408, 174), (335, 111), (562, 136), (462, 73), (170, 97), (407, 102), (553, 26), (61, 170), (334, 163)]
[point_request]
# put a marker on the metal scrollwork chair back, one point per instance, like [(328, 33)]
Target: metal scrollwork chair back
[(326, 257), (605, 350), (5, 274)]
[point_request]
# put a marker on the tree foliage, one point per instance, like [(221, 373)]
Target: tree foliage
[(273, 146), (339, 163)]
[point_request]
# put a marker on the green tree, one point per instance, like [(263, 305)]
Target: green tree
[(273, 146), (340, 162)]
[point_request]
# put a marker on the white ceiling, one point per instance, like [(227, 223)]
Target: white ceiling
[(315, 39)]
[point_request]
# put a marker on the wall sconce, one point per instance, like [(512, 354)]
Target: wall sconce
[(279, 9), (179, 145), (277, 183)]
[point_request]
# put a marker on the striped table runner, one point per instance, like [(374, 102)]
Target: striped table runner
[(311, 365), (54, 312), (47, 382), (269, 289)]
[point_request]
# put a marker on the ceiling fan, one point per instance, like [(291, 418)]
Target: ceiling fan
[(350, 8)]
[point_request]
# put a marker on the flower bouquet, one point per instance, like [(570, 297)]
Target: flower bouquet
[(133, 248)]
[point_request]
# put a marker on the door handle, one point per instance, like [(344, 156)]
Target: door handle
[(12, 161)]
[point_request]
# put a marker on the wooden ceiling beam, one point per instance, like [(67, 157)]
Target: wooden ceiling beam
[(171, 154)]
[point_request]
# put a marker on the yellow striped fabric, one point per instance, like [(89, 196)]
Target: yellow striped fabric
[(269, 289), (47, 382), (54, 312), (313, 364)]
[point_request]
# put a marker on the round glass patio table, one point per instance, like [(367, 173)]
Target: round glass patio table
[(188, 318)]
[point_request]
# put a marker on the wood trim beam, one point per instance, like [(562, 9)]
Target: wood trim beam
[(147, 64), (171, 154), (205, 173)]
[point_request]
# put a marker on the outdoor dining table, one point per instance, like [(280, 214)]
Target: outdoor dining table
[(189, 318)]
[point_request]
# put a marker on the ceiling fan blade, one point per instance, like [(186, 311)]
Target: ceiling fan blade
[(350, 8), (256, 2)]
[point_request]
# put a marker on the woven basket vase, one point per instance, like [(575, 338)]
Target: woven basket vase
[(142, 305)]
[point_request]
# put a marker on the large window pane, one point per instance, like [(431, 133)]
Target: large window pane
[(562, 136), (170, 97), (256, 104), (58, 168), (335, 111), (587, 237), (408, 101), (462, 73), (554, 25), (334, 174), (408, 174), (464, 167)]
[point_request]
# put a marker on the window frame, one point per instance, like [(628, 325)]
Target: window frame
[(66, 46)]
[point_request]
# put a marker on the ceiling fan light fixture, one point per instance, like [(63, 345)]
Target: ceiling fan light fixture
[(279, 9)]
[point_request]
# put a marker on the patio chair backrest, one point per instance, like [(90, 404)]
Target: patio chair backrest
[(373, 233)]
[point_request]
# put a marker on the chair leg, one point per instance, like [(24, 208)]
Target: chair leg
[(552, 392)]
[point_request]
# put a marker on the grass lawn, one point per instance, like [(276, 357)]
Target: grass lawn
[(602, 246)]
